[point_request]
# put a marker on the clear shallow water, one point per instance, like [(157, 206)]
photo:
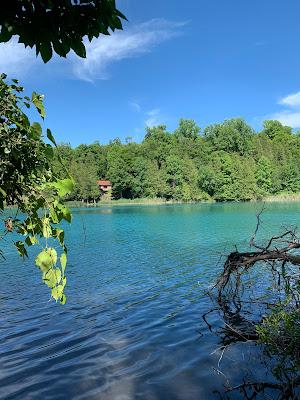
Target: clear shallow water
[(132, 327)]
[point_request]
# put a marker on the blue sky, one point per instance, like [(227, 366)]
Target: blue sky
[(201, 59)]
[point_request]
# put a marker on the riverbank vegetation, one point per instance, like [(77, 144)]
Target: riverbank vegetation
[(228, 161)]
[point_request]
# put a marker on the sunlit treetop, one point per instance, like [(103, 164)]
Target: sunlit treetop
[(57, 25)]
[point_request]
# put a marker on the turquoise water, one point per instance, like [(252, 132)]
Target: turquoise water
[(132, 327)]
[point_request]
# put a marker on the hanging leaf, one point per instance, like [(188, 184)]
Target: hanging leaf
[(50, 137), (47, 230), (21, 249), (37, 100), (46, 51), (63, 299), (44, 260), (64, 186), (63, 262), (57, 292)]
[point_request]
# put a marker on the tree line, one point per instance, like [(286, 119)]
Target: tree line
[(227, 161)]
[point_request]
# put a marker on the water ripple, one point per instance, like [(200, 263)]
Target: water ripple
[(132, 327)]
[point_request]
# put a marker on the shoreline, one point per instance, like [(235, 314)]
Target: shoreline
[(284, 197), (279, 198)]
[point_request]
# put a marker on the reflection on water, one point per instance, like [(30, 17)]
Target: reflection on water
[(132, 327)]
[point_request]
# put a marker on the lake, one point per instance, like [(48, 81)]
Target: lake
[(132, 327)]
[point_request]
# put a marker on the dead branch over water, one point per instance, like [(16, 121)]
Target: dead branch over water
[(278, 249), (280, 259)]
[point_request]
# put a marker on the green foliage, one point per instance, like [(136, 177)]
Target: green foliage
[(230, 162), (187, 129), (233, 135), (281, 330), (57, 26), (275, 130), (264, 173), (27, 182)]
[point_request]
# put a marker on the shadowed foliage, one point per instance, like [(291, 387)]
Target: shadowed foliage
[(57, 26)]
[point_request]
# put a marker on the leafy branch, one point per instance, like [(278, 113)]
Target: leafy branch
[(28, 183)]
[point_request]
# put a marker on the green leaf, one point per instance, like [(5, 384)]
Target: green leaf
[(51, 137), (61, 48), (37, 100), (64, 186), (49, 153), (53, 255), (53, 215), (121, 15), (117, 23), (63, 262), (36, 130), (2, 192), (44, 261), (57, 275), (57, 292), (21, 248), (60, 234), (79, 48), (5, 34), (31, 240), (63, 299), (49, 278), (64, 281), (47, 230), (46, 51), (66, 214)]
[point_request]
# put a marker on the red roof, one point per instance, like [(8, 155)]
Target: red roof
[(104, 183)]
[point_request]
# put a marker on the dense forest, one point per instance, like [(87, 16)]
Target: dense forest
[(226, 161)]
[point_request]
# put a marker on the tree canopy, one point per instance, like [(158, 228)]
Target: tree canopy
[(57, 26), (228, 162)]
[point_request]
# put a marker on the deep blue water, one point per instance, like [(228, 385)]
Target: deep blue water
[(132, 327)]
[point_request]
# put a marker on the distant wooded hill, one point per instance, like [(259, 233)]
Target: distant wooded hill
[(227, 161)]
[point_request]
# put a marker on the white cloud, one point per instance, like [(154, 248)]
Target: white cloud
[(135, 106), (154, 117), (16, 60), (292, 100), (287, 117), (131, 42), (290, 114)]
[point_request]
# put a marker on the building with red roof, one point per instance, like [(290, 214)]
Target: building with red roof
[(104, 186)]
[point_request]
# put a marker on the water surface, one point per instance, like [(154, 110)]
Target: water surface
[(132, 327)]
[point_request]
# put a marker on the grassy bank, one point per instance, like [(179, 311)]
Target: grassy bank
[(283, 197), (127, 202)]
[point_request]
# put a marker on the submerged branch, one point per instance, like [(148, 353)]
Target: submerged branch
[(248, 315)]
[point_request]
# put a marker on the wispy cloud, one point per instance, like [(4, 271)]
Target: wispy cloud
[(150, 118), (287, 117), (292, 100), (134, 105), (290, 114), (131, 42), (16, 60), (153, 117)]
